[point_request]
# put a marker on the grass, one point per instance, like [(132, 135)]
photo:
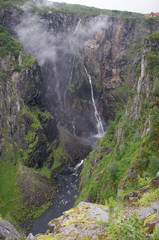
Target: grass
[(9, 3), (9, 192), (148, 197), (8, 44), (80, 10), (39, 211)]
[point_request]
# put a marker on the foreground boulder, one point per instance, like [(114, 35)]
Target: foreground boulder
[(78, 223), (7, 231)]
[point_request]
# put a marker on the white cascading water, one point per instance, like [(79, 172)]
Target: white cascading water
[(77, 27), (99, 122), (142, 75)]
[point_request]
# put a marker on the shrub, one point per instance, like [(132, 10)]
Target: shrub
[(111, 204), (154, 164), (143, 181), (17, 68), (156, 87), (113, 169), (124, 228)]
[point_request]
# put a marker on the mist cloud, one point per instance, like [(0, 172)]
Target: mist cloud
[(44, 44)]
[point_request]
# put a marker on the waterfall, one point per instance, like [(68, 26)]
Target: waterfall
[(77, 27), (142, 75), (99, 122), (73, 126)]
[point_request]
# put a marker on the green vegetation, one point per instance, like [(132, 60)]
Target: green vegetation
[(27, 60), (123, 227), (153, 63), (135, 48), (12, 49), (9, 3), (131, 142), (115, 158), (155, 233), (148, 197), (58, 155), (82, 10), (154, 164), (154, 35), (152, 23), (8, 44), (156, 87), (40, 211), (9, 192)]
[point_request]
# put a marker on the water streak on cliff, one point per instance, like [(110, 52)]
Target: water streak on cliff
[(99, 121), (77, 27)]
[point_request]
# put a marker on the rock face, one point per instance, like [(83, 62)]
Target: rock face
[(104, 53), (104, 45), (26, 127), (129, 149), (78, 223), (7, 231)]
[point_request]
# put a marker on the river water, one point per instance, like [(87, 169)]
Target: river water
[(68, 182)]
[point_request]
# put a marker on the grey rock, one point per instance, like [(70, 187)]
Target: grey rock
[(51, 226), (143, 212), (8, 231), (155, 181), (30, 237)]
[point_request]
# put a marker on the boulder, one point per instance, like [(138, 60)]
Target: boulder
[(7, 231), (30, 237)]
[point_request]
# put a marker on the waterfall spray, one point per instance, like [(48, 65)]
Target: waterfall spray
[(99, 122)]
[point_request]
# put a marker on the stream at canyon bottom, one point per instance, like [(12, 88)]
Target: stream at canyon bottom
[(64, 200)]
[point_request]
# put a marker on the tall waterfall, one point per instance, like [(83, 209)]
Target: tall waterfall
[(99, 122), (77, 27)]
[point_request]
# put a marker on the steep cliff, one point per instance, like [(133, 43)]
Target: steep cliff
[(108, 47), (23, 137), (128, 153)]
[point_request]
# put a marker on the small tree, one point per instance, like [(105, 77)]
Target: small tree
[(111, 204)]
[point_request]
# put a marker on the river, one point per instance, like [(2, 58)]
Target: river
[(68, 182)]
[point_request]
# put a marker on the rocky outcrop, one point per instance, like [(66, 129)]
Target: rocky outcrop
[(77, 148), (8, 231), (78, 223), (70, 149), (19, 93), (35, 188)]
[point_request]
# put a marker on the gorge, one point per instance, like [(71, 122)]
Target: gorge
[(69, 76)]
